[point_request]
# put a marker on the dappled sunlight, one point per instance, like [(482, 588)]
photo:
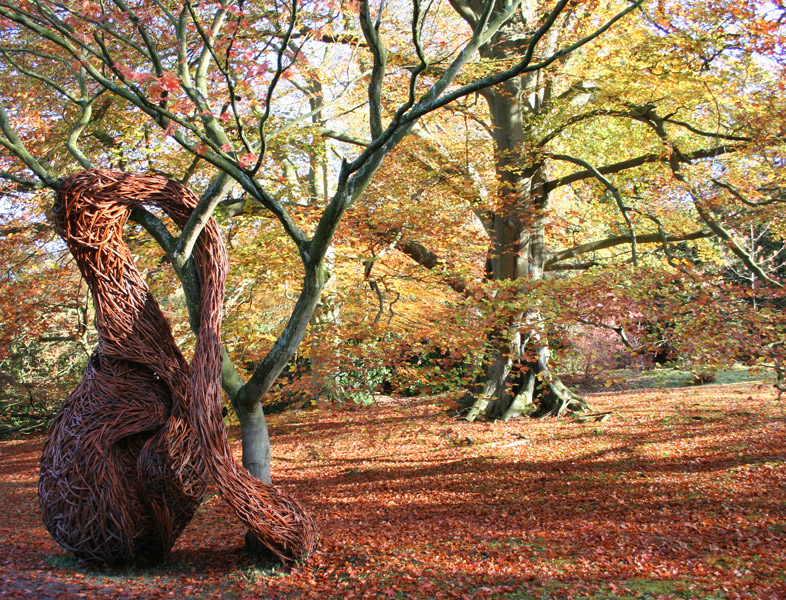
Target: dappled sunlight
[(681, 493)]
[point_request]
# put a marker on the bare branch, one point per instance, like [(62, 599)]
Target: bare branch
[(373, 283), (380, 56), (6, 52), (620, 331), (614, 192), (343, 137), (86, 105), (152, 52), (737, 194), (215, 193), (723, 234), (639, 161), (280, 68), (647, 238), (20, 181), (675, 163), (432, 261), (525, 65)]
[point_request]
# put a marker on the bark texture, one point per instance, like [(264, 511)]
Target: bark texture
[(516, 378)]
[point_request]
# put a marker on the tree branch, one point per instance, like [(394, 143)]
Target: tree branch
[(737, 194), (614, 192), (12, 142), (86, 105), (675, 164), (553, 261), (213, 195), (380, 56), (426, 258), (631, 163)]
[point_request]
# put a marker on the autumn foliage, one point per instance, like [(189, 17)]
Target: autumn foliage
[(396, 223), (680, 494)]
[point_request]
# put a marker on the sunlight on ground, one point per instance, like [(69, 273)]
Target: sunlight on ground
[(680, 494)]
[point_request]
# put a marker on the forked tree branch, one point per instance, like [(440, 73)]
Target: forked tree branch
[(614, 192)]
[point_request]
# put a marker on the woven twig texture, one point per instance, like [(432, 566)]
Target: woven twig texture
[(125, 465)]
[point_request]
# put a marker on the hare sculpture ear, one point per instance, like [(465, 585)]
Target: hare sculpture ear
[(125, 465)]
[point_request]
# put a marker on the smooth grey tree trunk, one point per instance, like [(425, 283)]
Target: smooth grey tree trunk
[(255, 442), (256, 458)]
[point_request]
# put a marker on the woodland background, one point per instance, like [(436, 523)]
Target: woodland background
[(611, 220), (644, 265)]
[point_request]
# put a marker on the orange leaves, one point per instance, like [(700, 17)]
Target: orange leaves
[(650, 504)]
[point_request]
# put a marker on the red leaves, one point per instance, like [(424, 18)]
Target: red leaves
[(649, 504), (131, 75), (248, 160), (161, 87)]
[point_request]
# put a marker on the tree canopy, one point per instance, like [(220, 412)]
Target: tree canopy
[(433, 196)]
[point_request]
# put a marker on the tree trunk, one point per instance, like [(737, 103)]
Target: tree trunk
[(520, 382), (255, 442), (256, 458), (516, 378), (246, 398)]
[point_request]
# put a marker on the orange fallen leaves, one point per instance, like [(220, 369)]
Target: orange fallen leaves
[(652, 503)]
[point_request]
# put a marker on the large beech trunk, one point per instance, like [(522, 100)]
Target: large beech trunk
[(517, 378), (524, 385)]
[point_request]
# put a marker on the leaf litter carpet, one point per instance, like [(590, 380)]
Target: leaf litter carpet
[(680, 494)]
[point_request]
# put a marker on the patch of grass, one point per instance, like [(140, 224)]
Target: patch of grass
[(675, 378), (646, 589), (546, 592), (672, 419), (63, 561), (634, 589), (513, 542), (257, 572)]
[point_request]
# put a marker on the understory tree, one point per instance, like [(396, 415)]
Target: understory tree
[(45, 333)]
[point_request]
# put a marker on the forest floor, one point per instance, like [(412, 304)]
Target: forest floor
[(681, 493)]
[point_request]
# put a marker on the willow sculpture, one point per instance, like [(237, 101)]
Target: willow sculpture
[(126, 462)]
